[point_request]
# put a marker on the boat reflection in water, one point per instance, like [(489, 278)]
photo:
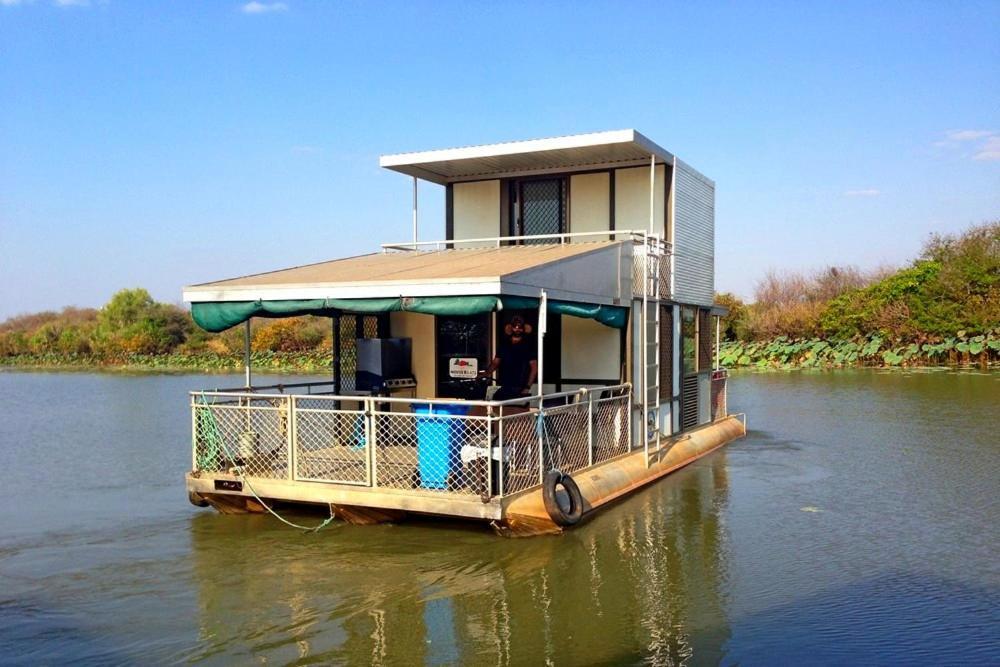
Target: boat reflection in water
[(644, 581)]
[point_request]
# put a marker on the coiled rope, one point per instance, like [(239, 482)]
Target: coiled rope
[(215, 441)]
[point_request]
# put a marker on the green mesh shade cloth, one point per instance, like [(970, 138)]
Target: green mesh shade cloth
[(219, 316)]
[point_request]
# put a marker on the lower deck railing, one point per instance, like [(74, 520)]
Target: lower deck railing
[(484, 449)]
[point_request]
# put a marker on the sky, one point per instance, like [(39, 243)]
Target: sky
[(160, 144)]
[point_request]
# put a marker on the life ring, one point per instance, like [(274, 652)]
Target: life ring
[(562, 517)]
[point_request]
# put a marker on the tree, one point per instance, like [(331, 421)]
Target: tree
[(133, 323)]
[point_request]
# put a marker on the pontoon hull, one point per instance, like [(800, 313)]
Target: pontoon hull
[(518, 516)]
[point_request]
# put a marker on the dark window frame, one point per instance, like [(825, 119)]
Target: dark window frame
[(515, 202)]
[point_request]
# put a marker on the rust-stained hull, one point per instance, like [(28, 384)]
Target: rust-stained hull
[(525, 515)]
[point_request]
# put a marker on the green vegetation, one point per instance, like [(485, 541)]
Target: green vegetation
[(134, 332), (942, 308)]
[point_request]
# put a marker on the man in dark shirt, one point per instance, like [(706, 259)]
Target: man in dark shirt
[(517, 360)]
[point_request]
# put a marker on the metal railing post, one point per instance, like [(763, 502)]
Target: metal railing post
[(369, 416), (540, 435), (503, 463), (293, 473), (628, 418), (725, 396), (489, 451), (194, 435), (590, 428)]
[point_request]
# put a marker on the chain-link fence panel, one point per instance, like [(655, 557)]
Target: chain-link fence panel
[(610, 424), (330, 445), (519, 452), (564, 438), (250, 434), (432, 452)]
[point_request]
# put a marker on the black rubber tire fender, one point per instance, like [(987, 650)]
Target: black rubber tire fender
[(560, 516)]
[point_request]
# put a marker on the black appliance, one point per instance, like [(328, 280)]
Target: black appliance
[(381, 360)]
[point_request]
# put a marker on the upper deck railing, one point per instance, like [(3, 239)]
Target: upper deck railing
[(651, 255)]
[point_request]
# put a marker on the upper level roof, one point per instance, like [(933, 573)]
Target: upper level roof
[(577, 152)]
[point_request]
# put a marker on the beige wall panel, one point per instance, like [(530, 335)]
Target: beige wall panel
[(420, 328), (476, 211), (589, 203), (590, 350), (632, 199)]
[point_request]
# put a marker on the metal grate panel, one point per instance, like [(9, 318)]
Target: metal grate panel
[(542, 207), (705, 339), (689, 402), (666, 353)]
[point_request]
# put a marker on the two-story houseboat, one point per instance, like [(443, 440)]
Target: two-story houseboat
[(593, 253)]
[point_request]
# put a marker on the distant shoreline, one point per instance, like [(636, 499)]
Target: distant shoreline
[(261, 362), (783, 353), (779, 355)]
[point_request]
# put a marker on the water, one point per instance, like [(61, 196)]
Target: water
[(855, 524)]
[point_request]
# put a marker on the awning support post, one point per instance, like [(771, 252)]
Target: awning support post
[(652, 192), (543, 303), (414, 212), (540, 427), (246, 351)]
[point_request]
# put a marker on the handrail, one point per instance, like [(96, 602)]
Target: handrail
[(279, 386), (632, 234), (432, 401)]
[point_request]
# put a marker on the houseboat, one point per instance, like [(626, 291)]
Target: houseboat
[(553, 353)]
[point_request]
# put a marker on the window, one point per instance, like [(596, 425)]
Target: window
[(689, 340), (463, 337), (666, 352), (538, 206)]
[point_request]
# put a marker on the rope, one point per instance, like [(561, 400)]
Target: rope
[(214, 438)]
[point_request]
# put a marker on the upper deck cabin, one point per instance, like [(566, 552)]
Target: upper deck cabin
[(602, 243), (572, 189), (579, 185)]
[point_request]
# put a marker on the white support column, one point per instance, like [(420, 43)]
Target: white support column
[(246, 352), (414, 212), (543, 322), (542, 326), (652, 194)]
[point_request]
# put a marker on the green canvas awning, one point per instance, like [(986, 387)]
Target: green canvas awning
[(216, 316)]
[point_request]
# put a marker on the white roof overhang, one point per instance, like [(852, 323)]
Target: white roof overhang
[(578, 152)]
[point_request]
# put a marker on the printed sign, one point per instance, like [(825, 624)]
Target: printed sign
[(463, 368)]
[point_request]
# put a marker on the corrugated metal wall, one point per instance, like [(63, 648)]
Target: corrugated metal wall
[(694, 237)]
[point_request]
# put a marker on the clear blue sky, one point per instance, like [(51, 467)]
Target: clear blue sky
[(162, 144)]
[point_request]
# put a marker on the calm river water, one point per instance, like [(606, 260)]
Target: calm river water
[(856, 524)]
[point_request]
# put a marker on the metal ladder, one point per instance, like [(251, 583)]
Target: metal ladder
[(653, 250)]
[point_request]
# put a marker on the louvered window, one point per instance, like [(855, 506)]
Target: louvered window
[(689, 402)]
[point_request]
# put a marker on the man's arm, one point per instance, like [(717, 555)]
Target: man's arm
[(492, 366)]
